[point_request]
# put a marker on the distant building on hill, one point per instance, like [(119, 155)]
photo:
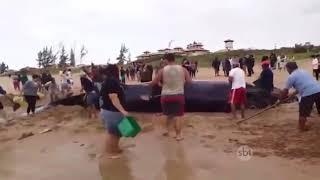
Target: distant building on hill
[(145, 55), (193, 49), (229, 44)]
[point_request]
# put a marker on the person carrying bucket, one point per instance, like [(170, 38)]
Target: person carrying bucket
[(112, 109), (173, 78)]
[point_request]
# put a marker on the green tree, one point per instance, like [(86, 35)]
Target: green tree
[(46, 57), (122, 56), (129, 57), (83, 53), (40, 59), (72, 58), (63, 57), (3, 67)]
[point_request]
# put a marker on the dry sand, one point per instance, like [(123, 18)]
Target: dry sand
[(71, 150)]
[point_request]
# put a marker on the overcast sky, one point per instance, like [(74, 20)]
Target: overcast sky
[(26, 26)]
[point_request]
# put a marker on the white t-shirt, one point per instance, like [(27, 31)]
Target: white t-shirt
[(238, 78), (315, 63)]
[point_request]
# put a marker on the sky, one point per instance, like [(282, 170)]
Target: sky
[(26, 26)]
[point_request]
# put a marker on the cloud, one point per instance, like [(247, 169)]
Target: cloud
[(103, 25), (312, 8)]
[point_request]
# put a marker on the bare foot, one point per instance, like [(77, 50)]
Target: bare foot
[(110, 155), (179, 138), (166, 134), (114, 156)]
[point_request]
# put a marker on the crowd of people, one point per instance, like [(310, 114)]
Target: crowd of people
[(191, 67), (103, 88), (140, 72), (32, 88), (246, 63)]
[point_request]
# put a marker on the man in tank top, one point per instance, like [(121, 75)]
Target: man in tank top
[(173, 78)]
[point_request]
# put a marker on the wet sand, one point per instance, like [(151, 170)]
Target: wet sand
[(72, 149)]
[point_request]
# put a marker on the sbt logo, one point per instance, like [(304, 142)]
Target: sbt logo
[(244, 153)]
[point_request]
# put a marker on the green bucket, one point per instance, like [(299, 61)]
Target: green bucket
[(129, 127)]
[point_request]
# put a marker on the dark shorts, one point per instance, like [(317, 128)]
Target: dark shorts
[(111, 120), (1, 106), (306, 104), (173, 105), (92, 98)]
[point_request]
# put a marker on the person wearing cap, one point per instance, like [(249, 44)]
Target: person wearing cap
[(238, 89), (265, 81), (307, 88), (266, 76)]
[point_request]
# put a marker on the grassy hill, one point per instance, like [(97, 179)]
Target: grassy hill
[(206, 60)]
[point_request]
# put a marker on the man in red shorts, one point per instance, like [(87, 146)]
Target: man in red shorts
[(173, 78), (238, 90)]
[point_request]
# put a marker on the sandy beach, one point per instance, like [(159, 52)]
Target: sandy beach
[(72, 148)]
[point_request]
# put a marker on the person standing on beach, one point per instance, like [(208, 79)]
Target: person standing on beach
[(128, 73), (173, 78), (53, 89), (112, 109), (273, 60), (307, 88), (216, 66), (123, 75), (23, 78), (30, 90), (227, 66), (132, 73), (251, 62), (91, 97), (315, 67), (193, 69), (16, 83), (238, 90), (2, 111), (186, 65), (196, 63)]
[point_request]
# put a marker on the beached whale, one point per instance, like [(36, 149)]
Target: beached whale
[(201, 96)]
